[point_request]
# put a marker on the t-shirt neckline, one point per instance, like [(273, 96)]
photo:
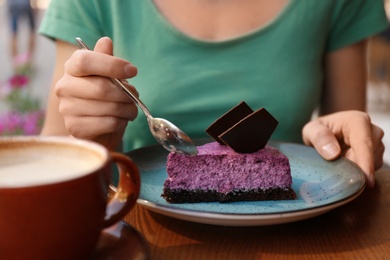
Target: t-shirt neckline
[(263, 28)]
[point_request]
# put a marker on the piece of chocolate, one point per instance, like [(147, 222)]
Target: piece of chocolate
[(228, 120), (251, 133), (242, 129)]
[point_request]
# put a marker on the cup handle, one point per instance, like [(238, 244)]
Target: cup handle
[(126, 193)]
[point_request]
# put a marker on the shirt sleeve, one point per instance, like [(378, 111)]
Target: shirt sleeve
[(66, 20), (355, 20)]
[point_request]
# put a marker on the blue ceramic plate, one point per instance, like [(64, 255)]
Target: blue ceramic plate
[(320, 186)]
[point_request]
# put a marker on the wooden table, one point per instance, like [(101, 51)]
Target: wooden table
[(357, 230)]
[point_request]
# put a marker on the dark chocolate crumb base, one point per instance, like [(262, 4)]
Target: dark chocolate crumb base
[(186, 196)]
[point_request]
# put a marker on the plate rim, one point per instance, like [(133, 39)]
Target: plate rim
[(237, 220)]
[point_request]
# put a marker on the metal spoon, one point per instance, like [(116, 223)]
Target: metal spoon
[(167, 134)]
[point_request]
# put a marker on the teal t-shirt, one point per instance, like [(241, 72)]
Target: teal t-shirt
[(192, 82)]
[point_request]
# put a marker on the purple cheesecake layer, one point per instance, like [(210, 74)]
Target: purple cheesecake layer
[(264, 169)]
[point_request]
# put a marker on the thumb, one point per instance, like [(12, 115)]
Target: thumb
[(322, 139), (104, 45)]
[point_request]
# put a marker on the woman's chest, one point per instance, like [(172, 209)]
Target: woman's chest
[(217, 20)]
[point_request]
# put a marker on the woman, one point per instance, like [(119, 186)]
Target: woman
[(18, 9), (196, 59)]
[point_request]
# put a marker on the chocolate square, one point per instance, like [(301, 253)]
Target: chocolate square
[(228, 120), (242, 129), (251, 133)]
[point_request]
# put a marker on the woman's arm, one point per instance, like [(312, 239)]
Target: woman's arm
[(54, 122), (83, 103), (344, 129), (345, 79)]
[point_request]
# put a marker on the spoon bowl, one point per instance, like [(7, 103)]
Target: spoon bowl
[(171, 137), (167, 134)]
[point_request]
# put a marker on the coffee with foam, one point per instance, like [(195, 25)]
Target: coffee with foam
[(54, 196), (32, 164)]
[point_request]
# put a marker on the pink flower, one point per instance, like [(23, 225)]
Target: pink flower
[(32, 122), (18, 81), (2, 126), (15, 123)]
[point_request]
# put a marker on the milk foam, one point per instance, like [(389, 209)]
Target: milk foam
[(22, 172)]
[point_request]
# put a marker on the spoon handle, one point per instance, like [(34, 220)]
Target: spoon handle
[(129, 93), (120, 84)]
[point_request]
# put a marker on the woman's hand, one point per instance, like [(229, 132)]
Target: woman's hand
[(92, 107), (350, 134)]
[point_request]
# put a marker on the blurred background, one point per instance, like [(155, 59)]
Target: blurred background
[(25, 80)]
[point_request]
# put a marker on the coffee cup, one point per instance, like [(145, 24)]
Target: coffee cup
[(55, 196)]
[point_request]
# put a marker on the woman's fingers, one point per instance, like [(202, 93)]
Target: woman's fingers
[(84, 63), (104, 45), (93, 128), (322, 138), (82, 107), (351, 134), (99, 62), (379, 148), (357, 134), (92, 107), (91, 87)]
